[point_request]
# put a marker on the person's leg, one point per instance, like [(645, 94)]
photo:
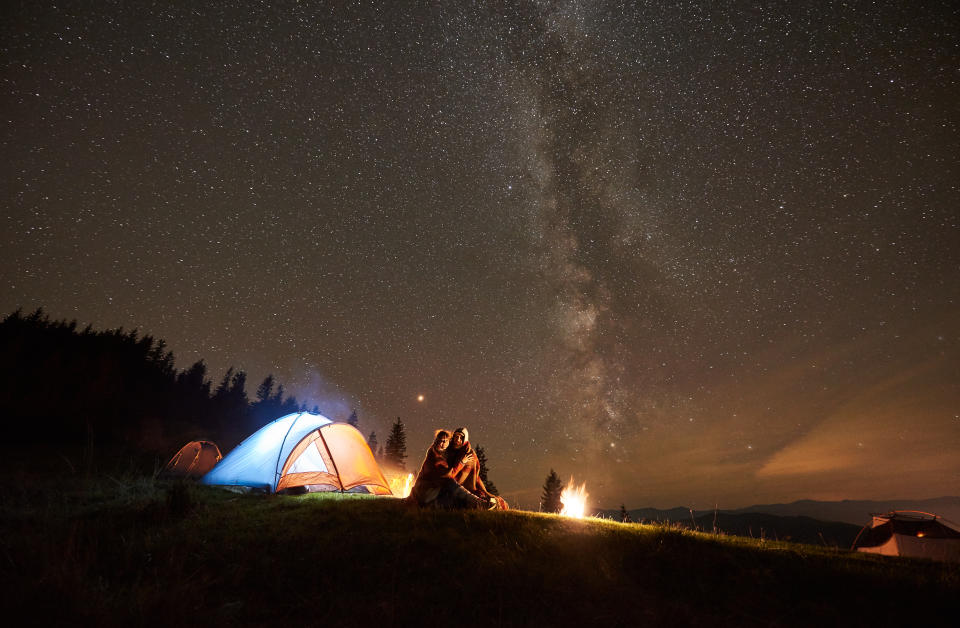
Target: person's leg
[(458, 497)]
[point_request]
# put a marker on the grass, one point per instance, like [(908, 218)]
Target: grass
[(125, 550)]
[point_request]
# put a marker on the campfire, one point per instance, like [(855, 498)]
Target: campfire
[(574, 500), (401, 485)]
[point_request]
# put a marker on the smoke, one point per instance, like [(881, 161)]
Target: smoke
[(314, 390)]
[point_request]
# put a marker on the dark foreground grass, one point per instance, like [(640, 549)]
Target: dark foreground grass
[(130, 552)]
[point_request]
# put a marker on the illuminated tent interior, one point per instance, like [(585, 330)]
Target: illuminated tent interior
[(193, 460), (301, 451), (909, 533)]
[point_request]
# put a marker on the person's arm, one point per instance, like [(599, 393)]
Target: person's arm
[(440, 466), (455, 469)]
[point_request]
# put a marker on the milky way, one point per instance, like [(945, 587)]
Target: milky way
[(694, 254)]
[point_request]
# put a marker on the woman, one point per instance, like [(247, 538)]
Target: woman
[(432, 472), (465, 468), (434, 486)]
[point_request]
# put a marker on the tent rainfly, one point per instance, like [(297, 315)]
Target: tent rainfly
[(909, 533), (301, 450), (193, 460)]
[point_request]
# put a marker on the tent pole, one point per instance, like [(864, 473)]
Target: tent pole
[(276, 468), (332, 461)]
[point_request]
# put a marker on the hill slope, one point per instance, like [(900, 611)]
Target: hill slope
[(128, 552), (758, 525)]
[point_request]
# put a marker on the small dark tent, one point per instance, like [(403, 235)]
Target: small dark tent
[(193, 460), (909, 533)]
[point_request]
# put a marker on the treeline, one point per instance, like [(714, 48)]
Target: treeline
[(119, 391), (62, 384)]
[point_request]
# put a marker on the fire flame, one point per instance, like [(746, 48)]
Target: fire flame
[(401, 485), (574, 500)]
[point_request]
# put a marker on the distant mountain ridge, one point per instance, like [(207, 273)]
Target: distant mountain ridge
[(833, 524), (856, 512), (859, 511)]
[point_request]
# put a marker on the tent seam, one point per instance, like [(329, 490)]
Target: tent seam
[(336, 469), (276, 467)]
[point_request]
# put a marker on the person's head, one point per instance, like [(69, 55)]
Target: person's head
[(441, 439), (460, 436)]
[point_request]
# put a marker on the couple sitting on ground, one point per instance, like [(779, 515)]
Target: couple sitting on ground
[(450, 476)]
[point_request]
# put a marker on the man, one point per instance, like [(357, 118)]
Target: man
[(465, 469), (434, 486)]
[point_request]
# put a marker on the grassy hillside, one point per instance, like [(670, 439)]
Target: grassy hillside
[(752, 524), (127, 551), (796, 529)]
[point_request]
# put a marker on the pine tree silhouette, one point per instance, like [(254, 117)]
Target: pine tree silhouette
[(395, 452), (552, 490), (482, 460), (265, 389), (224, 387)]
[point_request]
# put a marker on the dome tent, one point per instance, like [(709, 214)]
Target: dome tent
[(193, 460), (909, 533), (301, 450)]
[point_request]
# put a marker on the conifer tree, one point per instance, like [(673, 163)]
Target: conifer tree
[(265, 408), (372, 442), (395, 452), (265, 389), (231, 402), (162, 358), (290, 405), (482, 460), (624, 515), (238, 390), (192, 400), (194, 380), (552, 490), (353, 420), (224, 385)]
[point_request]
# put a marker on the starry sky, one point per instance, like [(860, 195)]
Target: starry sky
[(696, 253)]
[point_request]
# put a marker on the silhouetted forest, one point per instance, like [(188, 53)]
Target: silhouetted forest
[(119, 389)]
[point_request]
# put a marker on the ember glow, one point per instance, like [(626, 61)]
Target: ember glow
[(401, 485), (574, 500)]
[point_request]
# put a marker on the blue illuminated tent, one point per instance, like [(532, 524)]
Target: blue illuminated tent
[(301, 450)]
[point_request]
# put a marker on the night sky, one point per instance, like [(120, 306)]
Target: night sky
[(691, 255)]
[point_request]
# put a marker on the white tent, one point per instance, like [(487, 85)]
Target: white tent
[(909, 533), (301, 450)]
